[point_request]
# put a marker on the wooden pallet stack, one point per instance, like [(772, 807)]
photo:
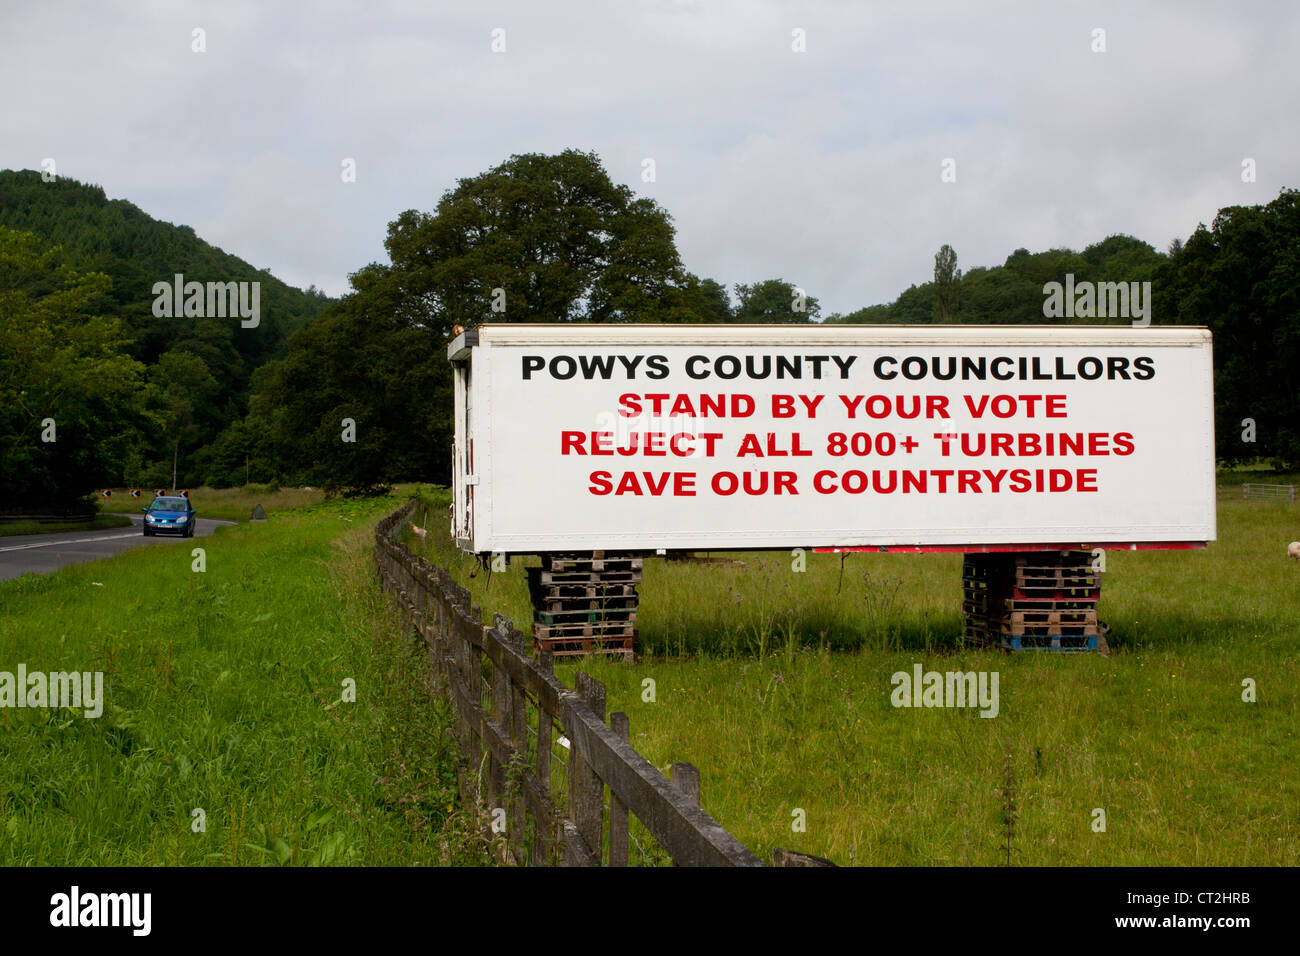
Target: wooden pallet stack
[(585, 603), (1033, 600)]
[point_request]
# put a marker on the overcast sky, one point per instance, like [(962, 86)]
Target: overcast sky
[(821, 167)]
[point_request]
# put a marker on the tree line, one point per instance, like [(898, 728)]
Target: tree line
[(535, 239)]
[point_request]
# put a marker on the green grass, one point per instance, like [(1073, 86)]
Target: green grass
[(777, 686), (97, 523), (226, 504), (1238, 475), (224, 692)]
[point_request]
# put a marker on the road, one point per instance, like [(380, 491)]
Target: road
[(43, 553)]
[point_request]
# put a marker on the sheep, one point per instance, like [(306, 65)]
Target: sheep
[(1293, 550), (420, 533)]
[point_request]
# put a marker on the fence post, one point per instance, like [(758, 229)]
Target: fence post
[(585, 788), (618, 822)]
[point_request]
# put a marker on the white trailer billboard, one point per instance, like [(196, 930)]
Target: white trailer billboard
[(644, 437)]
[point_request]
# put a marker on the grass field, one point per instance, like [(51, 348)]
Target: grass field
[(227, 504), (97, 523), (777, 685), (225, 692)]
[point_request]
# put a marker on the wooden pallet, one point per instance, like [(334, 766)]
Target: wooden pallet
[(554, 562), (1030, 559), (1056, 594), (1050, 618), (1052, 559), (1044, 579), (1003, 606), (599, 616), (556, 604), (1020, 598), (1060, 580), (592, 588), (1010, 628), (1036, 600), (584, 629), (1050, 604), (1049, 642), (574, 647), (1037, 564), (982, 637), (584, 590), (590, 577), (585, 603), (1031, 591)]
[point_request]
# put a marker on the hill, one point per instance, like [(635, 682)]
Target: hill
[(206, 364), (1012, 293)]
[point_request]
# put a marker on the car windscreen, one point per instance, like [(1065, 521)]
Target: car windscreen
[(169, 504)]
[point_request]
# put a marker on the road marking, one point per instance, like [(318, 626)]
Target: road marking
[(51, 544)]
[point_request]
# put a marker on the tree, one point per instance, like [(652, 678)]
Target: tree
[(947, 278), (914, 305), (1239, 278), (71, 404), (642, 279), (867, 315), (775, 300), (184, 388), (539, 239), (376, 360), (709, 300), (535, 239)]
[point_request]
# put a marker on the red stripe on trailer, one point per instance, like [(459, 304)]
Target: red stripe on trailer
[(1000, 548)]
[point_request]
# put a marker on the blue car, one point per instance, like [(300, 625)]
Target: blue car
[(169, 515)]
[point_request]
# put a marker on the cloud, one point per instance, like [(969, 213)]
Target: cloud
[(821, 167)]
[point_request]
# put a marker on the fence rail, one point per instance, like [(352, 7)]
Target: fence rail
[(543, 825), (1255, 490)]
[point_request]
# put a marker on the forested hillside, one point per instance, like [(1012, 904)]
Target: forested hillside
[(195, 372)]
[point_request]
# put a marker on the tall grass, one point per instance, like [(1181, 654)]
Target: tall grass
[(776, 684), (225, 693)]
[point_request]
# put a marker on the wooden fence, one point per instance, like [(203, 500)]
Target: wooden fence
[(502, 696)]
